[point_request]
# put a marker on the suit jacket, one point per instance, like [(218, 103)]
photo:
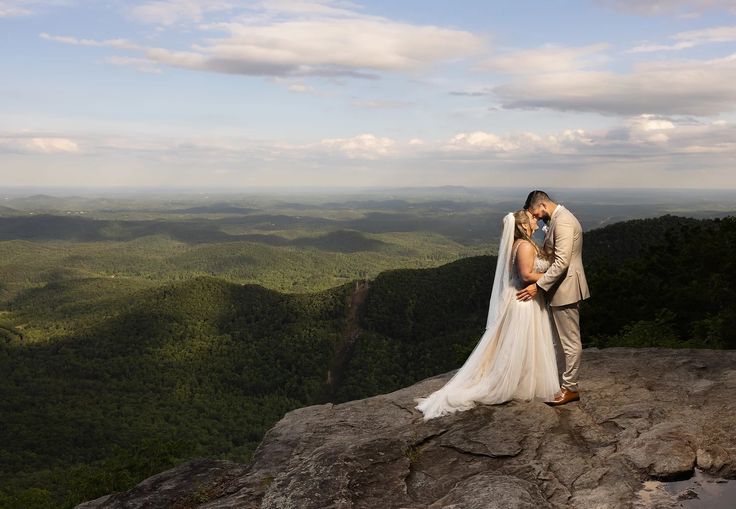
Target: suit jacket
[(564, 281)]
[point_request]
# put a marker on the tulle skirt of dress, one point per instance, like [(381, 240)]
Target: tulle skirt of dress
[(514, 359)]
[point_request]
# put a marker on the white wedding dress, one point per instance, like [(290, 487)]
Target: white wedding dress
[(515, 356)]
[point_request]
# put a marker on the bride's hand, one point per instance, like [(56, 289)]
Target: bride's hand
[(527, 293)]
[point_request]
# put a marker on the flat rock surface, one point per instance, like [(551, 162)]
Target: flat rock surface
[(645, 416)]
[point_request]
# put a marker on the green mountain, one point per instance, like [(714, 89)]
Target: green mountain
[(129, 378)]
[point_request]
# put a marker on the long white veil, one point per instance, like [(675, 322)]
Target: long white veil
[(460, 391), (502, 278)]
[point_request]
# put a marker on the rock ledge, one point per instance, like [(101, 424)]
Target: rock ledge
[(645, 414)]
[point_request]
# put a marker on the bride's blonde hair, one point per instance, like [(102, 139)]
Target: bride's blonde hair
[(521, 217)]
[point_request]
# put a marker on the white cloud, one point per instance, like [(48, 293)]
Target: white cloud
[(685, 8), (30, 143), (567, 141), (546, 59), (13, 8), (641, 149), (301, 88), (297, 87), (110, 43), (703, 138), (382, 104), (290, 38), (140, 64), (637, 136), (363, 146), (639, 139), (52, 145), (312, 7), (647, 123), (649, 129), (333, 46), (170, 12), (690, 39), (686, 87), (477, 92), (483, 141)]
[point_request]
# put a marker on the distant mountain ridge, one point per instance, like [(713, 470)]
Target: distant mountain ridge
[(81, 229)]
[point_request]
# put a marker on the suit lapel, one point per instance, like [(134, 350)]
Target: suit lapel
[(548, 235), (550, 227)]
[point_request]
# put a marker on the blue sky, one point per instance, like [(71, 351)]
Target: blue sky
[(228, 93)]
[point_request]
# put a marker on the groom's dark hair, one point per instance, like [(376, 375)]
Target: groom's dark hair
[(534, 198)]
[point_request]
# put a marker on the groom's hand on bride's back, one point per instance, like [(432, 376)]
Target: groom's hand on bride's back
[(527, 293)]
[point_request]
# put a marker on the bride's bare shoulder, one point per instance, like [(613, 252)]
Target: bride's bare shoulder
[(523, 244), (524, 249)]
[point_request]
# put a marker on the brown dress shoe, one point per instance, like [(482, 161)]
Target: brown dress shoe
[(565, 396)]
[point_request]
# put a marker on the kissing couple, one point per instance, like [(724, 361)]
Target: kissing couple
[(535, 298)]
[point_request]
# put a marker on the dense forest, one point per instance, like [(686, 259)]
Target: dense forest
[(191, 369), (109, 380)]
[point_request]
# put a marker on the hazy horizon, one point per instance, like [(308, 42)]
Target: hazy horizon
[(41, 189), (630, 203)]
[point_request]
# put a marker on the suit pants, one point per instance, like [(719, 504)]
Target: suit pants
[(566, 320)]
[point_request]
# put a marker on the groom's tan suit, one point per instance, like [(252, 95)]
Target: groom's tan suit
[(565, 285)]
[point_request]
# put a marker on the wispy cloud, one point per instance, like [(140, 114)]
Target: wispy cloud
[(646, 148), (671, 87), (565, 142), (14, 8), (170, 12), (482, 92), (139, 64), (291, 38), (363, 146), (301, 88), (548, 58), (333, 8), (37, 143), (690, 39), (636, 135), (683, 8), (108, 43), (641, 136), (383, 104)]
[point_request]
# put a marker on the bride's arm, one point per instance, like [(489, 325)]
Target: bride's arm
[(525, 263)]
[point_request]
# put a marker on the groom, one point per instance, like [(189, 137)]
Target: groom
[(564, 283)]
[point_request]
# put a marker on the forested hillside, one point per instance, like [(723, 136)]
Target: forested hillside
[(676, 290), (190, 369), (107, 381)]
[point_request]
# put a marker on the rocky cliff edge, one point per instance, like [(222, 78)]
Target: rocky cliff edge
[(645, 414)]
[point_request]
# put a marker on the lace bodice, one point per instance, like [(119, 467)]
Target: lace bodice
[(541, 264)]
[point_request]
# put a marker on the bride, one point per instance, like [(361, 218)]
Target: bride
[(515, 356)]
